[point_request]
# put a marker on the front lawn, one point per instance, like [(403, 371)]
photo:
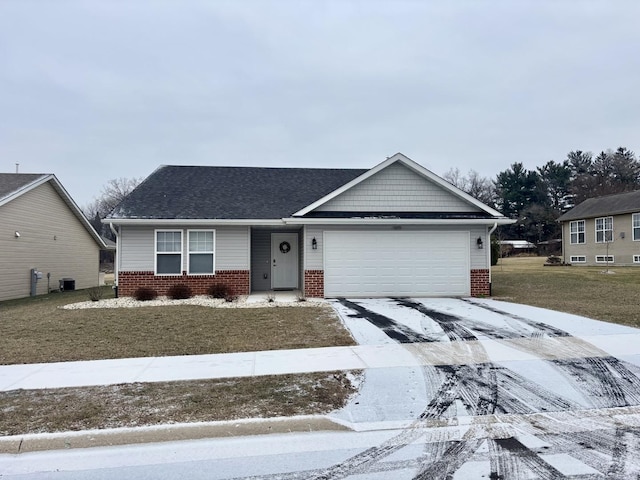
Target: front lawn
[(587, 291), (35, 330)]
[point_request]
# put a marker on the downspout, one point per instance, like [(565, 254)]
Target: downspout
[(493, 229), (116, 259)]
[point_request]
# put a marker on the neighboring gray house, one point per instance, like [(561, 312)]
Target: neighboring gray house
[(603, 230), (396, 229), (42, 228)]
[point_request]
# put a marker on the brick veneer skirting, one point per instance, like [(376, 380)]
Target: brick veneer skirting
[(128, 282), (314, 283), (480, 284)]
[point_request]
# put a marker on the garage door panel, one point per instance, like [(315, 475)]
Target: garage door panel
[(401, 263)]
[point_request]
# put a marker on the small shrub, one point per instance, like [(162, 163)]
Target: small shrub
[(271, 298), (144, 294), (301, 298), (218, 290), (230, 297), (95, 294), (179, 292)]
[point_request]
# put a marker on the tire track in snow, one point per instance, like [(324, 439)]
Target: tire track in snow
[(476, 386), (606, 381), (488, 388)]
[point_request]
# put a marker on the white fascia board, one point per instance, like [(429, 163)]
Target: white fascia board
[(77, 210), (419, 169), (347, 186), (397, 221), (192, 221), (26, 188), (57, 186), (446, 185)]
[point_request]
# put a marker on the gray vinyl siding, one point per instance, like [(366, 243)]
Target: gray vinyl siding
[(137, 247), (52, 239), (479, 258), (623, 247), (397, 189)]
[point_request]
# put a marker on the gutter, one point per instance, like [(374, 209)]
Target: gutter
[(395, 221), (116, 258)]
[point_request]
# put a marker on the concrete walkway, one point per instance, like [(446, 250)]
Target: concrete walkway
[(277, 362)]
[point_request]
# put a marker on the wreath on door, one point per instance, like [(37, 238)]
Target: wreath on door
[(285, 247)]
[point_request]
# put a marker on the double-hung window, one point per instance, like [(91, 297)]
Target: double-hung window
[(202, 252), (168, 252), (577, 231), (635, 224), (604, 229)]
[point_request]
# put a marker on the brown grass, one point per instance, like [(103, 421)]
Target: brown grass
[(36, 330), (612, 297), (139, 404)]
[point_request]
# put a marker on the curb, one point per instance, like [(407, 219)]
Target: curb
[(38, 442)]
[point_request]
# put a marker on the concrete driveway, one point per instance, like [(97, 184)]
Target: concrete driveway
[(516, 393)]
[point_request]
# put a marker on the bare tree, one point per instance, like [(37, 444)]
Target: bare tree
[(113, 192), (472, 183)]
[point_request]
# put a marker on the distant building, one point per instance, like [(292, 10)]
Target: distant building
[(603, 230), (509, 248)]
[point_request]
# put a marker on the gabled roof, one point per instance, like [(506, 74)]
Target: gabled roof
[(206, 192), (419, 169), (14, 185), (194, 194), (615, 204)]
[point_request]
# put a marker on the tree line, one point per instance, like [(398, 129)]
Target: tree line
[(536, 198)]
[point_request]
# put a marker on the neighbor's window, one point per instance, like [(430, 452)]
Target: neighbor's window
[(635, 223), (636, 259), (201, 251), (604, 229), (578, 259), (604, 259), (577, 231), (169, 252)]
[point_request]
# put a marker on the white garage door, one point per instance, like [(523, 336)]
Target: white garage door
[(396, 263)]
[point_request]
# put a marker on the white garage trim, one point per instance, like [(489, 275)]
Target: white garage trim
[(396, 263)]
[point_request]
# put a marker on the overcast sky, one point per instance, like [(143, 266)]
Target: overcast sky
[(96, 90)]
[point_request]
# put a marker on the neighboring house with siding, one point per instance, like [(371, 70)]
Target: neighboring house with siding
[(395, 229), (42, 228), (603, 230)]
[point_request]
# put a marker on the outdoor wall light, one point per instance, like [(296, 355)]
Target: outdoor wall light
[(479, 243), (314, 243), (17, 234)]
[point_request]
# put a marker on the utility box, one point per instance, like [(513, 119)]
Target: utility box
[(67, 284)]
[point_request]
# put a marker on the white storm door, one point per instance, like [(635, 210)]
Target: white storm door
[(284, 260)]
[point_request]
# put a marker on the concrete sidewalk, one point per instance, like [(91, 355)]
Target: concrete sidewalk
[(278, 362)]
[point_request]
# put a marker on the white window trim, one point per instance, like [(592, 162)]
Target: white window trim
[(213, 252), (578, 232), (604, 258), (636, 259), (156, 253), (604, 236), (578, 259), (633, 229)]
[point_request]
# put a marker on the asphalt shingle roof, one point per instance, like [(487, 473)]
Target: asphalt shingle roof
[(12, 182), (204, 192), (607, 205)]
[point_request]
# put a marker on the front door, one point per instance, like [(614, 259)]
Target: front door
[(284, 261)]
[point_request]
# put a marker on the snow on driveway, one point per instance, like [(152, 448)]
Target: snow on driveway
[(541, 395)]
